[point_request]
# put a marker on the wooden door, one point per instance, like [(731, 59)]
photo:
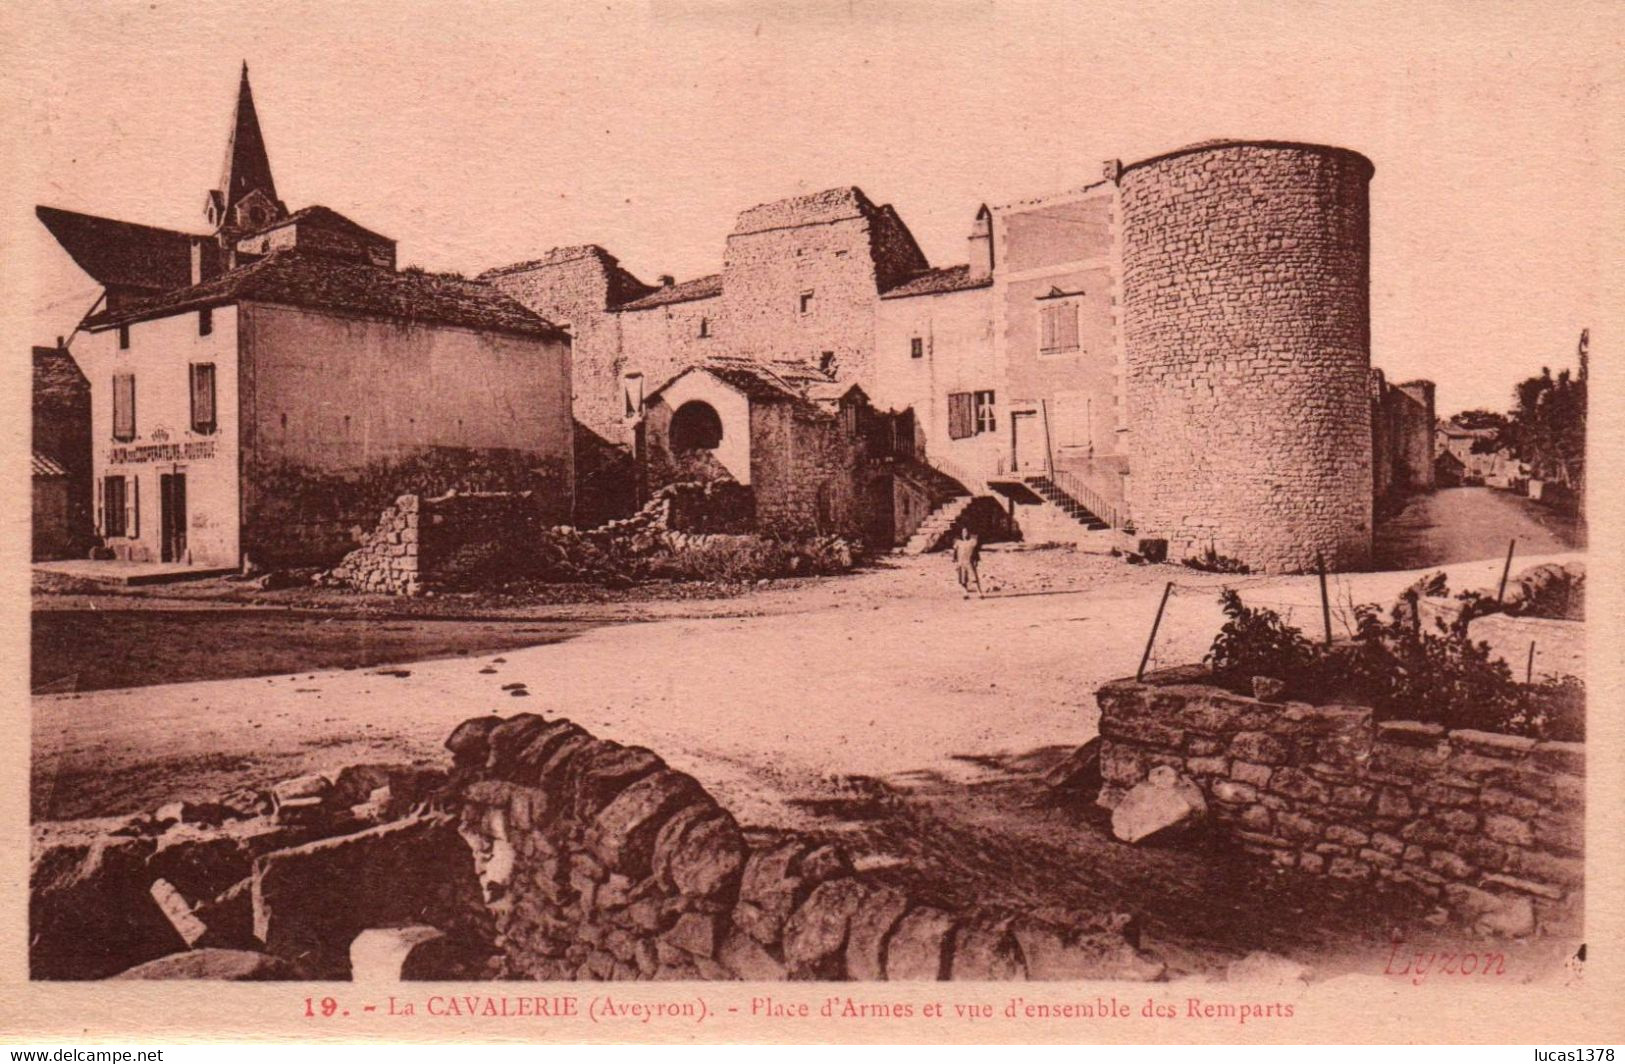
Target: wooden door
[(172, 515)]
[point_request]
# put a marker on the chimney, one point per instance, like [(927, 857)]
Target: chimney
[(1112, 170), (981, 245), (667, 280), (197, 260)]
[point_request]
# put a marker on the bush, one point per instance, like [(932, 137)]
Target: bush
[(1211, 561), (1401, 671)]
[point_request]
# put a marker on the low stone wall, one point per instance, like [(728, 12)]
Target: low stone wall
[(1491, 825), (601, 862), (387, 559)]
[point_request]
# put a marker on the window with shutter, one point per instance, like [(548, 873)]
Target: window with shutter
[(961, 415), (1058, 328), (986, 420), (113, 507), (124, 406), (203, 397)]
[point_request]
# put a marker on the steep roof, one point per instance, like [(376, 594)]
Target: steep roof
[(297, 279), (938, 280), (119, 253), (707, 287), (247, 166)]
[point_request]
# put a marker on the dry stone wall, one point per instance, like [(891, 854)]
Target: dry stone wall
[(1246, 325), (601, 862), (1490, 825)]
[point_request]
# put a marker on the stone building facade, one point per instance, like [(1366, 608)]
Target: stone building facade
[(1184, 345), (261, 391)]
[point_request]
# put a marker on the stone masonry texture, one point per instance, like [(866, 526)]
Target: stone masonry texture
[(600, 862), (1490, 825), (1246, 332)]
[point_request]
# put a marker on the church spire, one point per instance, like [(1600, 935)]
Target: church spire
[(246, 197)]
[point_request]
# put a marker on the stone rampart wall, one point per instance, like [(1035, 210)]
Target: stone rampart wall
[(1491, 825)]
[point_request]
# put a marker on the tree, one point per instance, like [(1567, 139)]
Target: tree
[(1547, 426)]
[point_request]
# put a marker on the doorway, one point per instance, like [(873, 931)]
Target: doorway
[(172, 515), (1028, 449)]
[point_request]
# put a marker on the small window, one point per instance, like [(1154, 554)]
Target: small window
[(123, 337), (124, 406), (205, 321), (986, 421), (916, 347), (826, 361), (705, 327), (1058, 328), (805, 303), (203, 397)]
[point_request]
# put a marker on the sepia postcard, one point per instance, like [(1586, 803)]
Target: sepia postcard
[(724, 521)]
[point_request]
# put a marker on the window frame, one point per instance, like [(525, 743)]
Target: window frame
[(205, 321), (916, 347), (132, 432), (984, 412), (804, 302), (194, 370), (115, 519), (123, 337), (1050, 344)]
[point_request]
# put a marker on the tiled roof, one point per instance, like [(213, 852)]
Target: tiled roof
[(122, 253), (293, 278), (937, 280), (810, 389), (817, 208), (45, 466), (708, 287)]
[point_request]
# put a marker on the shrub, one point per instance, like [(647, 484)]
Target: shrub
[(1400, 670), (1211, 561)]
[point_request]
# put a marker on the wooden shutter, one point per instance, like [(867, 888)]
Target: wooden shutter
[(132, 520), (961, 415), (1066, 327), (124, 406), (115, 507), (203, 397)]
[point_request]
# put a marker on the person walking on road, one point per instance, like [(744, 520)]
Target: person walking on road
[(967, 555)]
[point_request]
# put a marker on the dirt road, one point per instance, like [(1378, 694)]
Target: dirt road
[(881, 710), (889, 674), (1462, 524)]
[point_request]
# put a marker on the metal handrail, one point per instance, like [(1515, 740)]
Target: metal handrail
[(1092, 500)]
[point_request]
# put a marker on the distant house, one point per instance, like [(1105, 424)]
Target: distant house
[(61, 463), (258, 392), (809, 448)]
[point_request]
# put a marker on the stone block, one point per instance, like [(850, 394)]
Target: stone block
[(1232, 793), (816, 933), (986, 954), (1508, 829), (1297, 826), (1346, 836), (1299, 785), (1269, 969), (1254, 775), (311, 901), (1165, 801), (1207, 766), (1260, 748), (469, 742), (217, 965), (507, 739), (748, 960), (868, 930), (1449, 864), (695, 933), (1548, 868), (918, 949), (709, 859), (381, 955), (603, 773), (1561, 757), (623, 835)]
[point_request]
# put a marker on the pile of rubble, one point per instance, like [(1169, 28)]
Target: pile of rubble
[(259, 884)]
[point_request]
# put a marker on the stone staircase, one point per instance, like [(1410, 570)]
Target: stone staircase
[(1057, 497), (937, 527)]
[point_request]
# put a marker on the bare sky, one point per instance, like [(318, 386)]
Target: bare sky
[(481, 134)]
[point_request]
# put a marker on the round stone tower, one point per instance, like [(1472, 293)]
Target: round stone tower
[(1246, 333)]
